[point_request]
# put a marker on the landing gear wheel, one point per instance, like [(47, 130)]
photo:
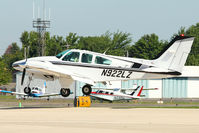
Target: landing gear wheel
[(86, 90), (27, 90), (65, 92)]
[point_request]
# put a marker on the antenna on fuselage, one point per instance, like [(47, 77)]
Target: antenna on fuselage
[(106, 51), (127, 53)]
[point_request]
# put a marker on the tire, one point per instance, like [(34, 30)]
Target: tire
[(86, 90), (27, 90), (65, 92)]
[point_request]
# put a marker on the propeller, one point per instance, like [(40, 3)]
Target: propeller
[(23, 76), (24, 70)]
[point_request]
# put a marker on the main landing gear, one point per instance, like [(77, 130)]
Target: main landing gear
[(86, 89), (65, 92), (27, 90)]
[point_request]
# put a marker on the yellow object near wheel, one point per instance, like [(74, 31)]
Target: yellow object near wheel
[(83, 101)]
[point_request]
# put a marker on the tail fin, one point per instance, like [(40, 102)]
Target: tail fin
[(174, 56), (140, 91), (136, 90), (44, 88)]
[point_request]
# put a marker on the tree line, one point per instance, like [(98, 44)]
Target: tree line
[(116, 43)]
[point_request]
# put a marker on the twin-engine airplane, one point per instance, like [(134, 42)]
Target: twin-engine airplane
[(90, 67)]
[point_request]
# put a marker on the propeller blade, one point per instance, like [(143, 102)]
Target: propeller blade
[(23, 76)]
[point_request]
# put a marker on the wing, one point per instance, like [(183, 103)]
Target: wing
[(48, 95), (48, 68), (11, 92), (143, 89)]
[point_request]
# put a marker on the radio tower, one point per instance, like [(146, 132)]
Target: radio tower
[(41, 25)]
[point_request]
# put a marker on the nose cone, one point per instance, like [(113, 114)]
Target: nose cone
[(18, 65)]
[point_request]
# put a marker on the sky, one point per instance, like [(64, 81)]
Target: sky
[(95, 17)]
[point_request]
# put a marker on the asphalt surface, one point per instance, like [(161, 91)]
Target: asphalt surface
[(118, 117), (99, 120)]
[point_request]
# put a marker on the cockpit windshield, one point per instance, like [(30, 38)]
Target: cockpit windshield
[(62, 53)]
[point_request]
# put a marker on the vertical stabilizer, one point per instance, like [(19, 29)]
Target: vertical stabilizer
[(44, 88), (174, 56), (136, 91)]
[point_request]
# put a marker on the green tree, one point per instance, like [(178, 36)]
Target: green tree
[(193, 58), (72, 40), (5, 75), (119, 43), (29, 41), (114, 43), (54, 45), (147, 47), (13, 53)]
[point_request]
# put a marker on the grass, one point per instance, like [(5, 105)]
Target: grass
[(142, 103), (7, 97), (169, 107), (152, 102)]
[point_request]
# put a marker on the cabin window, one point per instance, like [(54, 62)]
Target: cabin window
[(100, 91), (62, 53), (136, 65), (87, 58), (106, 93), (111, 93), (72, 57), (101, 60)]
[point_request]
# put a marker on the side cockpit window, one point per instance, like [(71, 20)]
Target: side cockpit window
[(86, 58), (101, 60), (62, 53), (72, 57)]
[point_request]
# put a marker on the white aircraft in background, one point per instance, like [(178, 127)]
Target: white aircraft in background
[(117, 94), (91, 67), (113, 94), (34, 92)]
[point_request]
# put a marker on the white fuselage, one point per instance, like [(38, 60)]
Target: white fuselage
[(91, 67), (112, 95), (121, 68)]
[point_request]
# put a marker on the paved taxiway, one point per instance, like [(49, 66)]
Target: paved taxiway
[(99, 120)]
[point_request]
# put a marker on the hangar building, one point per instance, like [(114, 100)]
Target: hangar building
[(185, 86)]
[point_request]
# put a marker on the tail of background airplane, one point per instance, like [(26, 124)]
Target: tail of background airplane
[(139, 94), (44, 88), (135, 92), (174, 56)]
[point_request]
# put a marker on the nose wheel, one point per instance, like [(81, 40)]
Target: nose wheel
[(86, 89)]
